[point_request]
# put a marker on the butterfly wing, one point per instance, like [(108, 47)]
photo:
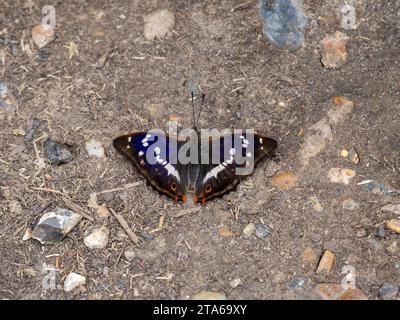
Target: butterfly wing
[(216, 179), (153, 156)]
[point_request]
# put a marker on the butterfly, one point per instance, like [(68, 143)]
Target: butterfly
[(205, 167)]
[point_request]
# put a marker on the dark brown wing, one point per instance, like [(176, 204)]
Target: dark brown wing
[(150, 154), (237, 160)]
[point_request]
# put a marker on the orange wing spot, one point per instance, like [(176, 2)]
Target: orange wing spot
[(184, 198), (176, 199), (203, 201)]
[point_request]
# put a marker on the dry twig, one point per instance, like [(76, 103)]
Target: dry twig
[(126, 227)]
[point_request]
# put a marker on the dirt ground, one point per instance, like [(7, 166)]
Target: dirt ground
[(249, 83)]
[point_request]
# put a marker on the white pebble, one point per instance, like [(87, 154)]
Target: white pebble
[(341, 175), (235, 283), (249, 230), (94, 148), (73, 280), (98, 238), (158, 24)]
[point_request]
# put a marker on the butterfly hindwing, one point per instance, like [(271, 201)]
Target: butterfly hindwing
[(150, 153)]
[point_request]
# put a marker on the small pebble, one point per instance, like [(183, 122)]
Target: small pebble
[(341, 175), (326, 262), (388, 291), (54, 225), (92, 201), (309, 255), (158, 24), (42, 35), (284, 22), (397, 266), (394, 225), (44, 54), (30, 272), (73, 280), (224, 233), (349, 204), (97, 238), (235, 283), (95, 148), (262, 230), (376, 188), (129, 255), (361, 233), (15, 207), (329, 291), (286, 180), (30, 133), (56, 153), (298, 282), (353, 155), (73, 50), (249, 230), (27, 234), (209, 295), (392, 207), (102, 211), (353, 294), (7, 100), (15, 49), (3, 89), (316, 204), (18, 132), (278, 277), (344, 153), (340, 108), (381, 232), (145, 235), (393, 247), (349, 19), (333, 50), (156, 111)]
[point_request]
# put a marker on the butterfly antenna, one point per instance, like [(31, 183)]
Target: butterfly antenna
[(193, 116), (201, 108)]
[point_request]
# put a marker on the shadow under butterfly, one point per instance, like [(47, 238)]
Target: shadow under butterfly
[(155, 156)]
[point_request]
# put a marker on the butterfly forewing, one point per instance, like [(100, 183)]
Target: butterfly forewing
[(150, 153)]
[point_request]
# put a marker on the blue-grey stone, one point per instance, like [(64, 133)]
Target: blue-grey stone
[(381, 232), (30, 133), (54, 225), (298, 283), (56, 153), (397, 266), (284, 22), (377, 188), (388, 291), (3, 93), (262, 230)]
